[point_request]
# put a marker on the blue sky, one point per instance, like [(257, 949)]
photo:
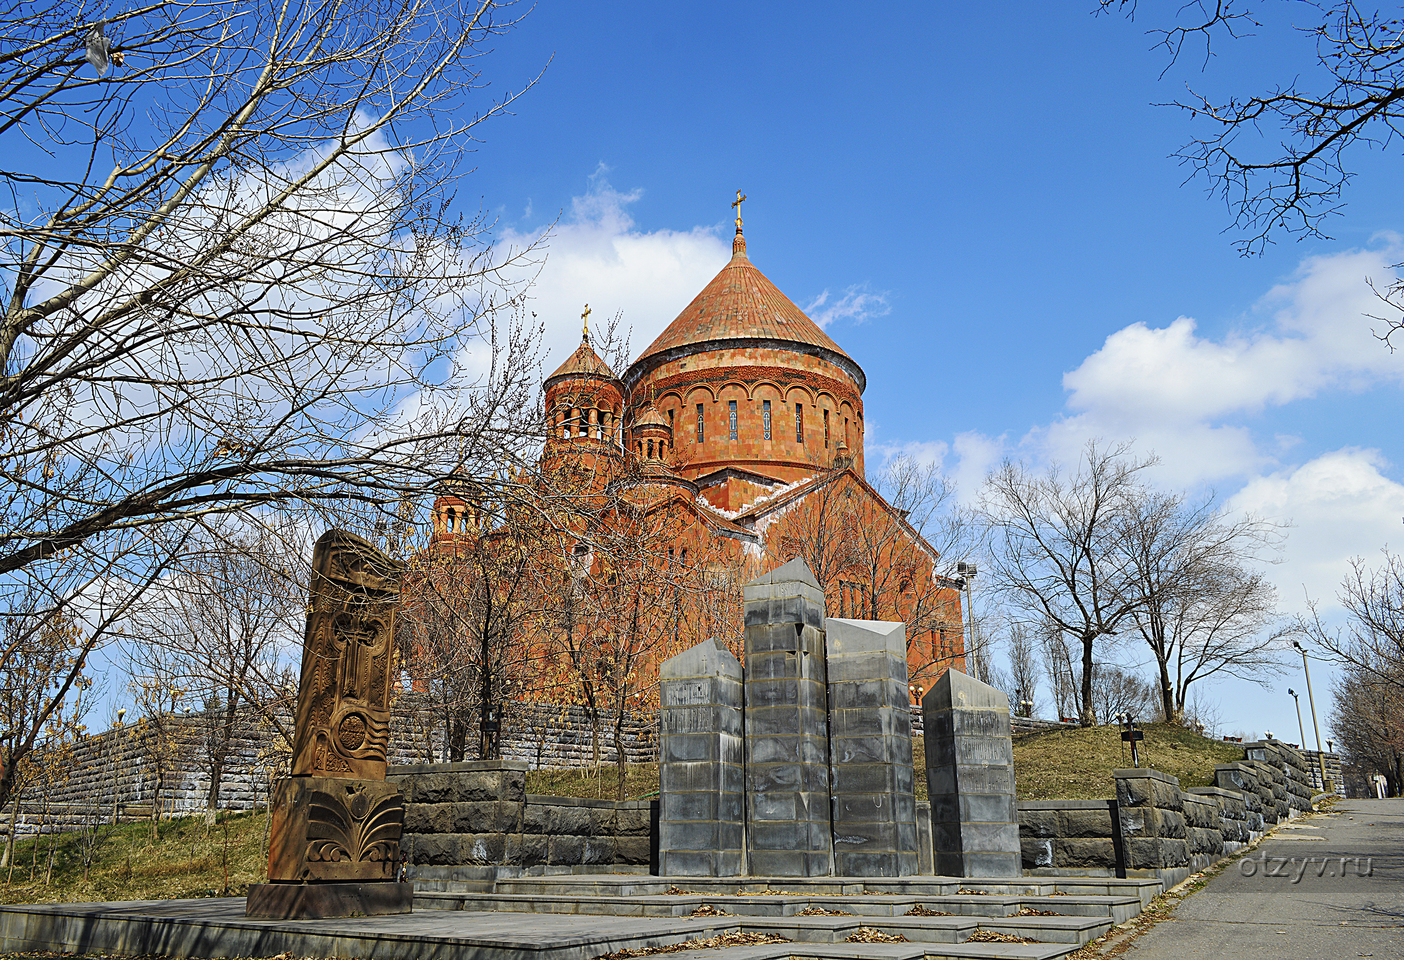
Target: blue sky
[(980, 202)]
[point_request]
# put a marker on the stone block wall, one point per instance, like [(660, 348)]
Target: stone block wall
[(1072, 836), (1152, 818), (141, 764), (479, 815), (1153, 827)]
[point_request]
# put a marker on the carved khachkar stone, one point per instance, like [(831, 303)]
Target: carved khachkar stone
[(870, 749), (343, 701), (970, 778), (335, 833), (787, 749), (701, 824)]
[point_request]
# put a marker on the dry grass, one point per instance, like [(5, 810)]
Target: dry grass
[(188, 860), (1077, 764), (602, 782), (1074, 764)]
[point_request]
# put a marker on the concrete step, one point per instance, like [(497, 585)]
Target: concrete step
[(1117, 909)]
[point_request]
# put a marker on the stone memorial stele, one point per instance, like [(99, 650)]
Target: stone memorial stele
[(787, 755), (870, 749), (970, 778), (701, 823), (334, 848)]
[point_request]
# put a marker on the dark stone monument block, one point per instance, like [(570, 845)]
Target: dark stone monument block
[(970, 776), (701, 824), (870, 749), (787, 750)]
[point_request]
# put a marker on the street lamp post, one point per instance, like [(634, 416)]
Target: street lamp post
[(1027, 706), (112, 758), (1298, 701), (967, 571), (1311, 699)]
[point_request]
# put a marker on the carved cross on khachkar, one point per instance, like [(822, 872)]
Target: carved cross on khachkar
[(334, 849)]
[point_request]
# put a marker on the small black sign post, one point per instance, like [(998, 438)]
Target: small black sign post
[(1129, 734)]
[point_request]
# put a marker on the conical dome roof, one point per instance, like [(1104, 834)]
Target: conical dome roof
[(740, 304), (584, 362)]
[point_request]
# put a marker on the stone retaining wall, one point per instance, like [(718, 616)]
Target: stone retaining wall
[(479, 815), (140, 764), (1155, 828)]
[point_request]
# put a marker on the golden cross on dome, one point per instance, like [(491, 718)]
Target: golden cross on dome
[(585, 326), (740, 199)]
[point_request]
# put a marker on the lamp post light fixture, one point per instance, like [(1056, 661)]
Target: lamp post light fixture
[(1027, 706), (1311, 699), (966, 572), (917, 691), (1298, 701)]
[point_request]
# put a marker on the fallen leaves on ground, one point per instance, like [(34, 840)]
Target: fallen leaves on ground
[(821, 912), (707, 910), (718, 942), (677, 892), (872, 935), (1031, 912), (922, 911), (992, 936)]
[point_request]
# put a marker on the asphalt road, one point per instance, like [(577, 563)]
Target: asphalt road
[(1325, 886)]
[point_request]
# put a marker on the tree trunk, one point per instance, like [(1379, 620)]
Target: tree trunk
[(619, 758), (1087, 717), (1167, 693)]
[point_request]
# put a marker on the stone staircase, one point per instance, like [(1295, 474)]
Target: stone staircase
[(936, 916)]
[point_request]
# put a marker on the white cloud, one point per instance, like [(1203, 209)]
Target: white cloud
[(1172, 389), (1341, 505), (858, 304), (595, 255)]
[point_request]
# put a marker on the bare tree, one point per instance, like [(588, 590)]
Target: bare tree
[(221, 626), (1372, 640), (1203, 610), (474, 598), (1062, 677), (1115, 691), (1059, 549), (1368, 722), (1023, 670), (1281, 159), (233, 277), (885, 562)]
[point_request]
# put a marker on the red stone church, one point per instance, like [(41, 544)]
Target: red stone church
[(748, 417)]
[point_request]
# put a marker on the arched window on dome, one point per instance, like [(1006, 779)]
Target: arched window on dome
[(731, 418), (765, 417), (450, 519), (699, 423), (799, 421), (650, 449), (826, 429), (672, 427)]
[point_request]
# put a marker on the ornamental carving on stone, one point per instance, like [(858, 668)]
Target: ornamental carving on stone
[(343, 707)]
